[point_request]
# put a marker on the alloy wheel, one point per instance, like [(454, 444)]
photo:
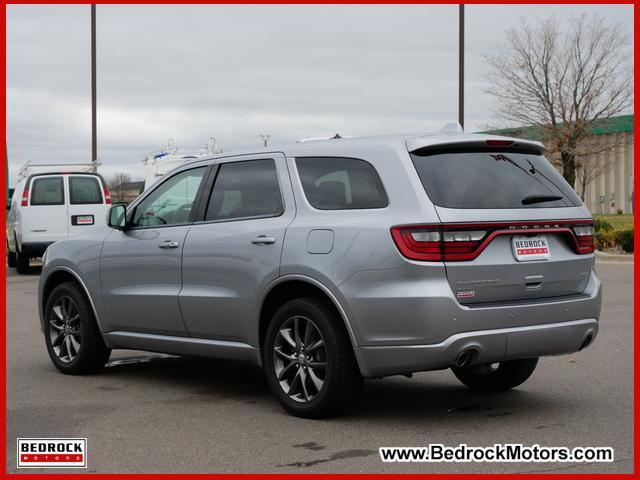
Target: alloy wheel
[(300, 359), (64, 329)]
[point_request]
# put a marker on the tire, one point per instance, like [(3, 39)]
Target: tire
[(505, 376), (22, 262), (85, 351), (11, 258), (340, 377)]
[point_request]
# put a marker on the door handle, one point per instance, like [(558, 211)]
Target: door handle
[(169, 244), (263, 240), (533, 282)]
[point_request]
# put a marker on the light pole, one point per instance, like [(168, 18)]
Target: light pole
[(94, 135), (265, 139), (461, 65)]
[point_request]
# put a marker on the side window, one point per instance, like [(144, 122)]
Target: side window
[(84, 190), (172, 202), (47, 191), (333, 183), (245, 190)]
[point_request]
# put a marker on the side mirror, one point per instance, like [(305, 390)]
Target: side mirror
[(117, 217)]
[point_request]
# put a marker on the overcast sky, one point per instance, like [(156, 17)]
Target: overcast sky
[(190, 72)]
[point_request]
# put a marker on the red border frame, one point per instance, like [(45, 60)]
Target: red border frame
[(3, 337)]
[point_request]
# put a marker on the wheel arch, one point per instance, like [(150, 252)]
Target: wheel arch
[(57, 277), (290, 287)]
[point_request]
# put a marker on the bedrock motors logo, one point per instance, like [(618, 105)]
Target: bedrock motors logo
[(52, 452)]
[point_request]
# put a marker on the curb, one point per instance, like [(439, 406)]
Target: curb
[(613, 257)]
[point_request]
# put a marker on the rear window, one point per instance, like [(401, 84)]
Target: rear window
[(493, 180), (47, 191), (84, 190), (247, 189), (333, 183)]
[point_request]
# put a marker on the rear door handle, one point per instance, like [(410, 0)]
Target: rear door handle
[(263, 240), (169, 244)]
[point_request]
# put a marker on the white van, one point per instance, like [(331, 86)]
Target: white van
[(47, 207)]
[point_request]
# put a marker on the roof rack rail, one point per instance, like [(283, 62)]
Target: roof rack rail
[(31, 168), (315, 139)]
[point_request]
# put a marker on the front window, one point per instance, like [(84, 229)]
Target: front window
[(172, 202)]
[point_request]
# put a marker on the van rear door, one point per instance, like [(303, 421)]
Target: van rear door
[(44, 218), (88, 203)]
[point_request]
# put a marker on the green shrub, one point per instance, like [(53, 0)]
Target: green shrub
[(624, 238), (600, 225), (605, 239)]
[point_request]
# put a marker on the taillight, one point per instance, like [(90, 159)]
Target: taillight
[(461, 245), (25, 197), (107, 196), (418, 243), (463, 242), (585, 236)]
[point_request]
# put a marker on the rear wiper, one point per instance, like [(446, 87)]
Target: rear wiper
[(531, 199)]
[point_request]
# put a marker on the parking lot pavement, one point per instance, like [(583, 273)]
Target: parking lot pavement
[(154, 413)]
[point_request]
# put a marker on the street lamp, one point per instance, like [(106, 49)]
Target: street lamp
[(461, 65), (265, 139), (94, 135)]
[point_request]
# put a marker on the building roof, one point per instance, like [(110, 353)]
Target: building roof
[(131, 185), (618, 124)]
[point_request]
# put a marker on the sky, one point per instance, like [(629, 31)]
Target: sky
[(191, 72)]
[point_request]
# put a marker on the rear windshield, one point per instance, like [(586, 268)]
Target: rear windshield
[(47, 191), (84, 190), (493, 180)]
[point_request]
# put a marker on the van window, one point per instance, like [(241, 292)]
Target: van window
[(47, 191), (493, 180), (334, 183), (84, 190), (246, 189)]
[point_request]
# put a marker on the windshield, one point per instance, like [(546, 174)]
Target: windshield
[(493, 180)]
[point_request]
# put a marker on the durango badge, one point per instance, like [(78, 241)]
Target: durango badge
[(52, 452)]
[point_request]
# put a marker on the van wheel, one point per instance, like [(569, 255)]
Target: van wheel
[(22, 262), (11, 258), (71, 333), (496, 377), (309, 360)]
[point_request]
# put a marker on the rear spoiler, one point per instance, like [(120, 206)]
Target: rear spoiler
[(420, 147)]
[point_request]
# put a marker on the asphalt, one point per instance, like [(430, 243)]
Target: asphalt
[(152, 413)]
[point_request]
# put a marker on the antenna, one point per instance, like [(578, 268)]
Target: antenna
[(452, 129)]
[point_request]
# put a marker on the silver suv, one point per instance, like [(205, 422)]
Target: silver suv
[(330, 261)]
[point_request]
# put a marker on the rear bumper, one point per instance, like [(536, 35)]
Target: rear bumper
[(488, 346)]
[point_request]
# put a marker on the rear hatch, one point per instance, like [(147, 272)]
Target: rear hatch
[(512, 228)]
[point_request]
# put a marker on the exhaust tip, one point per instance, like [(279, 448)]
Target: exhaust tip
[(586, 342), (464, 358)]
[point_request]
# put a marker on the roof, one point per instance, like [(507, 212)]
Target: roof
[(618, 124), (356, 146)]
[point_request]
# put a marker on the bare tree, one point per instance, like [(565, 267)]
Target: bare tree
[(561, 79), (116, 183)]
